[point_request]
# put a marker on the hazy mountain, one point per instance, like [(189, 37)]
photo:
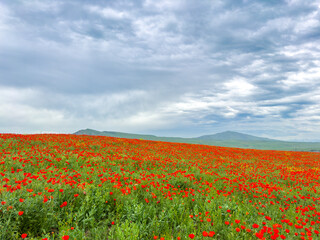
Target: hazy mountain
[(115, 134), (223, 136), (224, 139), (229, 136)]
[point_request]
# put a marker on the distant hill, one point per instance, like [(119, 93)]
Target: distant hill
[(229, 136), (223, 139), (115, 134)]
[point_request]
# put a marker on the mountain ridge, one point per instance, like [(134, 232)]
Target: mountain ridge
[(224, 139), (231, 135), (222, 136)]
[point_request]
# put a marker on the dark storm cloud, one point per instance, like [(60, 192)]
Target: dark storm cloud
[(155, 66)]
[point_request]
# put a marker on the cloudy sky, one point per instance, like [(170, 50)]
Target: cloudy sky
[(170, 68)]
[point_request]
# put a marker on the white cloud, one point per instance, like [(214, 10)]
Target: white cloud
[(307, 78), (108, 13), (164, 5), (123, 111), (239, 87)]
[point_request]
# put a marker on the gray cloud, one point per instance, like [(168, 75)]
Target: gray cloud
[(165, 67)]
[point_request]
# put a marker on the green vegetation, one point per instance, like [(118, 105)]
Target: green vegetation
[(74, 187)]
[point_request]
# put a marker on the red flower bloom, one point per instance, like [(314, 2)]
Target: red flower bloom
[(24, 235), (255, 225), (66, 237), (191, 235), (20, 213)]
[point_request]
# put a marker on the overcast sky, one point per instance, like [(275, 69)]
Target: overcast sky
[(170, 67)]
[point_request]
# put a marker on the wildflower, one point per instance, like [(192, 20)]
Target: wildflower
[(191, 235), (20, 213), (24, 235), (255, 225)]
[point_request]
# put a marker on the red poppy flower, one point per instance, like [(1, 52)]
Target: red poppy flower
[(24, 235), (255, 225)]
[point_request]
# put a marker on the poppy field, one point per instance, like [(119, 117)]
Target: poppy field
[(58, 186)]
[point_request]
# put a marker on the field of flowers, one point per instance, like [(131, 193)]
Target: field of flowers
[(89, 187)]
